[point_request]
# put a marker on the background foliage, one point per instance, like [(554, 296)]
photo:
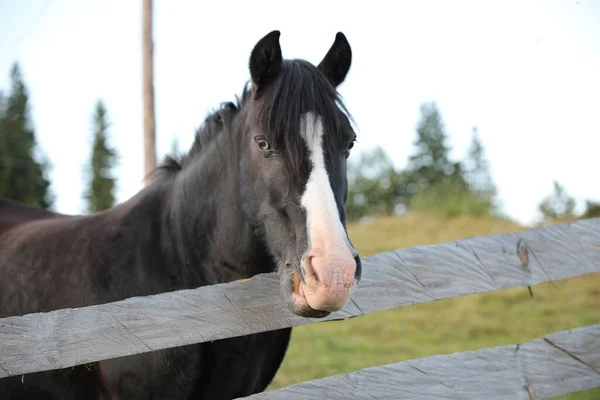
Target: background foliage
[(23, 167), (434, 184)]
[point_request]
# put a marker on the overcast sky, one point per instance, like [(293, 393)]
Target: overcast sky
[(526, 73)]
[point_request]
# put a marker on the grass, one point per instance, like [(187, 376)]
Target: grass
[(446, 326)]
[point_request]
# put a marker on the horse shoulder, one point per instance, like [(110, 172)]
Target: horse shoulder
[(39, 271)]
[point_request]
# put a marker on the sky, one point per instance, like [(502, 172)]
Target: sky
[(525, 73)]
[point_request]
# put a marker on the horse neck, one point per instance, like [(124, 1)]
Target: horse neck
[(206, 234)]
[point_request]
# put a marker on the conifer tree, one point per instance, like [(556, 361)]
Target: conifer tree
[(101, 184), (23, 167), (434, 183), (431, 164), (478, 175), (557, 205), (175, 147)]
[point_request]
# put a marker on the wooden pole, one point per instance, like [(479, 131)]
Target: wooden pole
[(148, 91)]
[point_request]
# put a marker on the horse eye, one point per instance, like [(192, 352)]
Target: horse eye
[(262, 143), (350, 146)]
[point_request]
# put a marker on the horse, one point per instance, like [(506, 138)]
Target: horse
[(261, 190)]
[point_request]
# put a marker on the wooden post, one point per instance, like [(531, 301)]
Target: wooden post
[(148, 91)]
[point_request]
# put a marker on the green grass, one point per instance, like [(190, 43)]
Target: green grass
[(441, 327)]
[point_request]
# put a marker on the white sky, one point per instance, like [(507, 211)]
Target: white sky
[(526, 73)]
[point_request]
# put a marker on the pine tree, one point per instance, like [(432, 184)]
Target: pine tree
[(175, 152), (101, 184), (433, 182), (558, 205), (430, 164), (478, 175), (2, 105), (23, 167)]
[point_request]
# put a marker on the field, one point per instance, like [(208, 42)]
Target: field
[(447, 326)]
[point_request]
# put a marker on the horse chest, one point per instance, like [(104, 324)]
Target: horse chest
[(223, 369)]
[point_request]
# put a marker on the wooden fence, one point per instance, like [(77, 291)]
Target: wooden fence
[(562, 362)]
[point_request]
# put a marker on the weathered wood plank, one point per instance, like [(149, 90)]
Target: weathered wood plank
[(561, 363), (68, 337)]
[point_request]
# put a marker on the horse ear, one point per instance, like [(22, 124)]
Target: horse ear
[(266, 60), (336, 63)]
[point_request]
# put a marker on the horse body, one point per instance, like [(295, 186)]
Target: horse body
[(227, 210), (129, 251)]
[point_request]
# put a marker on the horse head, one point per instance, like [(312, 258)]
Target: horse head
[(294, 186)]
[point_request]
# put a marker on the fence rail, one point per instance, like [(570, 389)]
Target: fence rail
[(69, 337), (560, 363)]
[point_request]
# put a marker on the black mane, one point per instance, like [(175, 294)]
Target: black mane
[(208, 131)]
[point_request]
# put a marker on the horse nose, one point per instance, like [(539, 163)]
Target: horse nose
[(329, 277)]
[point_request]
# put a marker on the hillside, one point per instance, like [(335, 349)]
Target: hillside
[(447, 326)]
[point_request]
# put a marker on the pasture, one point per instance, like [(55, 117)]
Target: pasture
[(441, 327)]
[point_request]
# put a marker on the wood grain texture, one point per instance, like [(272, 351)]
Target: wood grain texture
[(561, 363), (68, 337)]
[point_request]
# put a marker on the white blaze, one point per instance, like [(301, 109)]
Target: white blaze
[(323, 220)]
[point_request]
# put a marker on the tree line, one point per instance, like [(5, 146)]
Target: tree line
[(431, 182), (25, 169)]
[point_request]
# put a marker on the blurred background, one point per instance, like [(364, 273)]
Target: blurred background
[(472, 118)]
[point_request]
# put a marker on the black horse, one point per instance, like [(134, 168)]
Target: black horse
[(261, 190)]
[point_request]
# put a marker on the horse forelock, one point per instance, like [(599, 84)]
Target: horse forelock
[(300, 88)]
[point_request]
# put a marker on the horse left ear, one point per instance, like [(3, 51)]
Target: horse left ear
[(336, 63), (266, 60)]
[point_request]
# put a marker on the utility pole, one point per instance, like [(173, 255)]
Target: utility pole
[(148, 90)]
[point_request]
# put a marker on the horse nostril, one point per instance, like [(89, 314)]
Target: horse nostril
[(309, 268), (358, 271), (314, 270)]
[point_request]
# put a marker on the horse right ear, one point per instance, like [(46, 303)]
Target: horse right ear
[(265, 60)]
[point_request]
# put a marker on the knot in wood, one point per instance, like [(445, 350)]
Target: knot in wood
[(523, 253)]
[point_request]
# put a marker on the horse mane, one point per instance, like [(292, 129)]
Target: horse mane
[(213, 124)]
